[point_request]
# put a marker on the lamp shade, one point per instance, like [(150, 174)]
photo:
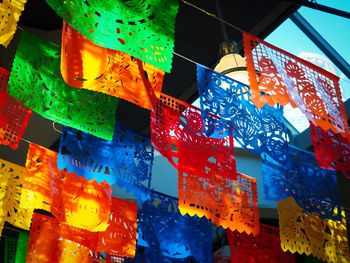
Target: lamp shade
[(231, 63)]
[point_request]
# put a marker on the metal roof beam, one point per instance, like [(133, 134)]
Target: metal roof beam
[(321, 43)]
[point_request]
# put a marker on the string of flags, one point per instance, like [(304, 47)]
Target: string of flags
[(115, 50)]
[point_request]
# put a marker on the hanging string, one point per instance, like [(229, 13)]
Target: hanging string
[(223, 21), (53, 127), (22, 139), (186, 58), (211, 15)]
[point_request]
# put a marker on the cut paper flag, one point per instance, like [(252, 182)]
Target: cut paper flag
[(14, 117), (113, 259), (144, 29), (127, 159), (313, 188), (36, 81), (10, 11), (86, 65), (332, 150), (307, 233), (9, 249), (145, 255), (47, 246), (165, 233), (4, 78), (265, 247), (219, 258), (119, 239), (227, 203), (11, 179), (22, 247), (277, 76), (176, 132), (72, 199), (258, 130), (311, 259)]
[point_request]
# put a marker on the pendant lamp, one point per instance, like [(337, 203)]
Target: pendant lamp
[(231, 63)]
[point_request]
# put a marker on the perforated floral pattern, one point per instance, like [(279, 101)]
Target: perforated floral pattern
[(265, 247), (119, 239), (176, 132), (72, 199), (10, 12), (9, 248), (36, 81), (277, 76), (256, 129), (11, 176), (332, 150), (307, 233), (313, 188), (22, 247), (167, 234), (86, 65), (47, 246), (228, 203), (14, 117), (127, 159), (142, 28)]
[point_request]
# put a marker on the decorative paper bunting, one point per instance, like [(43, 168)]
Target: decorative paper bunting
[(146, 255), (14, 116), (277, 76), (307, 233), (36, 81), (77, 235), (98, 258), (173, 235), (4, 78), (86, 65), (72, 252), (11, 178), (218, 258), (257, 130), (10, 11), (313, 188), (22, 247), (144, 29), (72, 199), (126, 160), (332, 150), (114, 259), (311, 259), (176, 132), (119, 239), (10, 249), (265, 247), (46, 245), (227, 203)]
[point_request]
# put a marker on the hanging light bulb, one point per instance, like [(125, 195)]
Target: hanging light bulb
[(231, 63)]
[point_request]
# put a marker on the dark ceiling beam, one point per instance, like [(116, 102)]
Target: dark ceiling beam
[(323, 8)]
